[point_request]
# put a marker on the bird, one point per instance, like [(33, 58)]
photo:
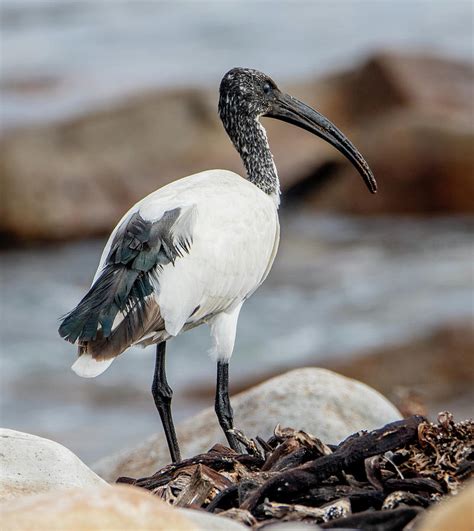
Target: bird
[(193, 251)]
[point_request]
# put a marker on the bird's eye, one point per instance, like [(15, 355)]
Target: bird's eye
[(267, 88)]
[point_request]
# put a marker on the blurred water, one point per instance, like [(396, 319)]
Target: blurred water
[(339, 286), (61, 56)]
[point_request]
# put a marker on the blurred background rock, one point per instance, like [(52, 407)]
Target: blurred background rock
[(103, 102)]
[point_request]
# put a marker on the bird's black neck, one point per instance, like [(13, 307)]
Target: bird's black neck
[(250, 140)]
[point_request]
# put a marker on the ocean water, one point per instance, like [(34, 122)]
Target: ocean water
[(339, 286), (59, 57)]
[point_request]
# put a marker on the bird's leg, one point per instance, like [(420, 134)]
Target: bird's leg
[(162, 394), (222, 405)]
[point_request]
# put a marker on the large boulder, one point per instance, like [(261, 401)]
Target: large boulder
[(31, 465), (105, 509), (319, 401)]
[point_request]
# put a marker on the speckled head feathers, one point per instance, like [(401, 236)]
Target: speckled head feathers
[(245, 95), (246, 91)]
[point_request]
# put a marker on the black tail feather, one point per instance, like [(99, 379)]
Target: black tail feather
[(118, 289)]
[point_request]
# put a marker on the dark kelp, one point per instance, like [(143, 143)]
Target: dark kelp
[(381, 479)]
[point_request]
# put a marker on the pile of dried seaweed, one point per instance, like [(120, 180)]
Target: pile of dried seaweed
[(381, 479)]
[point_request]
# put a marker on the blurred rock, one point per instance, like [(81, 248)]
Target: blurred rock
[(430, 84), (436, 371), (412, 118), (31, 465), (454, 514), (423, 165), (99, 509), (78, 177), (319, 401)]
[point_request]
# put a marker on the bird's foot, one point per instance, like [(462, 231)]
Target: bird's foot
[(243, 443)]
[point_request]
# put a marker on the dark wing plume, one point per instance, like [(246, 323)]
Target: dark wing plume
[(140, 248)]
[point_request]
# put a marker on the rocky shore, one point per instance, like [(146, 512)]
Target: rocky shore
[(44, 486), (411, 116)]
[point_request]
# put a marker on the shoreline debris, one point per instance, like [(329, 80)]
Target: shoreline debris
[(383, 478)]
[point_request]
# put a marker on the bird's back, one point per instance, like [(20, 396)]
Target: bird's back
[(234, 244)]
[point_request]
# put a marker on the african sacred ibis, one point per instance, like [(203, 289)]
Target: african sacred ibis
[(195, 250)]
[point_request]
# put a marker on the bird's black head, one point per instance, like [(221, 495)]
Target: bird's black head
[(246, 92), (246, 95)]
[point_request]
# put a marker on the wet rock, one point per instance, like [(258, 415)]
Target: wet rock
[(31, 464), (318, 401), (453, 513), (99, 509)]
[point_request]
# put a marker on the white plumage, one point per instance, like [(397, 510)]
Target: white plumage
[(235, 235)]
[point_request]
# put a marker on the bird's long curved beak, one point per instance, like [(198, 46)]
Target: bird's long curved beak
[(293, 111)]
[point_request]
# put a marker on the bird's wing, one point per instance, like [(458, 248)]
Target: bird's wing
[(119, 301), (143, 244)]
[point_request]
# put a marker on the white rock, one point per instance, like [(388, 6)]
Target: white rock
[(114, 508), (31, 464), (318, 401)]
